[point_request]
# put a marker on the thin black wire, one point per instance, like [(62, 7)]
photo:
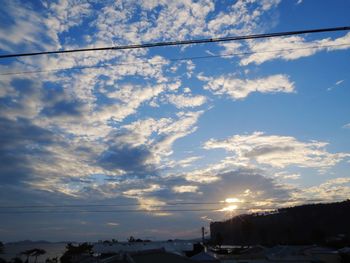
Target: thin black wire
[(167, 204), (171, 59), (107, 205), (219, 209), (134, 210), (183, 42)]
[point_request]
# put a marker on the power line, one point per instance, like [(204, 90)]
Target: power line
[(134, 210), (171, 59), (164, 205), (109, 205), (218, 209), (182, 42)]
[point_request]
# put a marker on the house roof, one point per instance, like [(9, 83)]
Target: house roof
[(204, 257), (160, 257)]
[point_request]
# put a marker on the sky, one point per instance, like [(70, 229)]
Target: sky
[(245, 125)]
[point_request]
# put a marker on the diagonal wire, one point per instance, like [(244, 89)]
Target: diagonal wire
[(171, 60), (164, 205), (183, 42)]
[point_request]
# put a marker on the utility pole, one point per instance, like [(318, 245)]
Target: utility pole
[(203, 234)]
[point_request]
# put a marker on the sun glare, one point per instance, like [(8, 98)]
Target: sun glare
[(229, 208), (232, 200), (232, 206)]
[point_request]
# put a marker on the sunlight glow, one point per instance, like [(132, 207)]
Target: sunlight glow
[(229, 208), (233, 200)]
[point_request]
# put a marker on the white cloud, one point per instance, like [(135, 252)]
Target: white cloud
[(185, 101), (141, 131), (27, 28), (184, 163), (291, 48), (241, 88), (140, 192), (230, 48), (346, 126), (147, 202), (152, 204), (159, 135), (67, 14), (175, 20), (130, 97), (246, 16), (32, 29), (112, 224), (183, 126), (202, 176), (190, 66), (188, 161), (185, 188), (187, 90), (278, 151), (335, 85), (285, 175), (339, 82), (336, 189)]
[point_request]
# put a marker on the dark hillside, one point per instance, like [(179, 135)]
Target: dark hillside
[(305, 224)]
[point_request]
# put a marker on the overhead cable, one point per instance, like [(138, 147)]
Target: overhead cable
[(171, 60), (181, 42)]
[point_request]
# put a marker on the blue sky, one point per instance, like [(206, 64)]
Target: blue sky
[(142, 128)]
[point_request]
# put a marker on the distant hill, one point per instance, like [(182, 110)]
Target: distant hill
[(306, 224), (28, 242)]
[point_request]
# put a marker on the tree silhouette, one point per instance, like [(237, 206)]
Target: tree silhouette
[(52, 260), (1, 251), (247, 230), (218, 239), (16, 260), (38, 252), (1, 248), (35, 252), (27, 253), (71, 251)]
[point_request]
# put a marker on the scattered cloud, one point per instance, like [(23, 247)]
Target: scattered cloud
[(346, 126), (241, 88), (339, 82), (336, 84), (104, 130), (185, 189), (112, 224), (291, 48), (184, 101), (332, 190), (140, 192), (277, 151), (285, 175)]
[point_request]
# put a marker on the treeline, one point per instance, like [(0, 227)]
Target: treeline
[(324, 224)]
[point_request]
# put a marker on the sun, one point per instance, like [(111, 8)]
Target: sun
[(232, 204)]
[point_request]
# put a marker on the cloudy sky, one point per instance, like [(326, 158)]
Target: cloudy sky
[(263, 122)]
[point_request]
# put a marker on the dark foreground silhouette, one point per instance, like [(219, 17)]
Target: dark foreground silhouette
[(323, 224)]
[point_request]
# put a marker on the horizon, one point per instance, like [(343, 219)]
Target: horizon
[(152, 239), (160, 142)]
